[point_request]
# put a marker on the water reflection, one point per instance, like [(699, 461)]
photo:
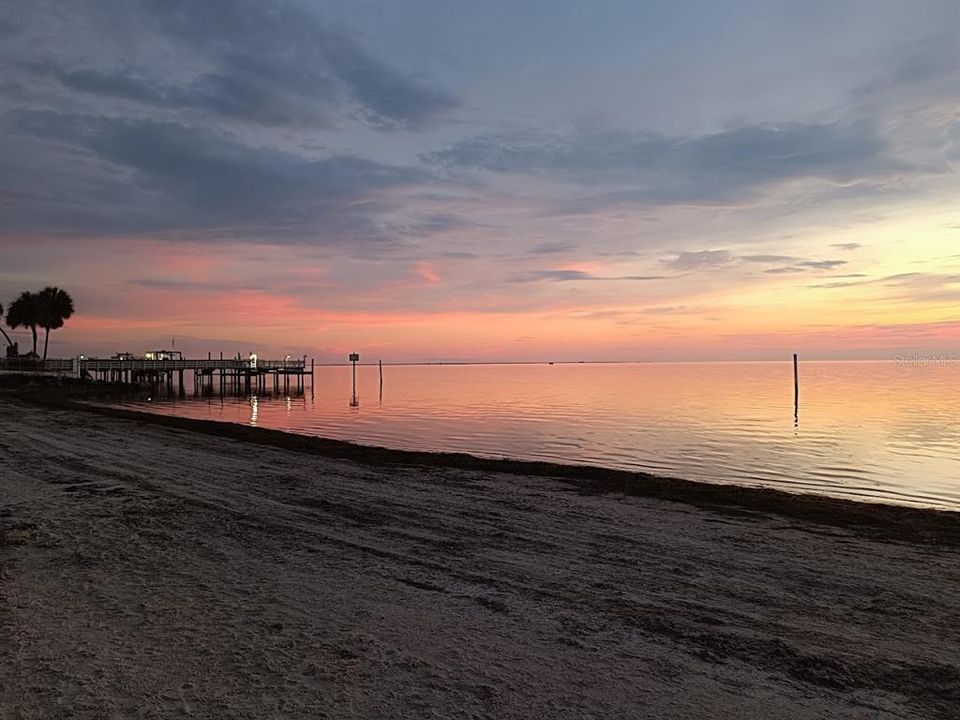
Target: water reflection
[(870, 429)]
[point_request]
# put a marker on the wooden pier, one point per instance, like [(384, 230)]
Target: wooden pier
[(231, 374)]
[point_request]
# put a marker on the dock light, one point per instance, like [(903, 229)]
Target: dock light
[(253, 360)]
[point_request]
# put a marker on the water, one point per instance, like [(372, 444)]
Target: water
[(868, 430)]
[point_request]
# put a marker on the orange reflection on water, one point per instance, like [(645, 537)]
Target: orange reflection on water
[(875, 430)]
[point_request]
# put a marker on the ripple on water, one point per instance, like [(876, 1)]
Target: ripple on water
[(863, 432)]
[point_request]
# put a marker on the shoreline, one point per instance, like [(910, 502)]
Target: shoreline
[(934, 526), (148, 569)]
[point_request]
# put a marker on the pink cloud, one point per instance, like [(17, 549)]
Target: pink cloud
[(428, 272)]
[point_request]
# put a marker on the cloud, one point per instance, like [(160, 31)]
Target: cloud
[(554, 275), (427, 272), (837, 284), (923, 287), (924, 69), (195, 286), (699, 259), (243, 97), (549, 248), (767, 258), (846, 246), (665, 310), (263, 63), (214, 122), (707, 259), (908, 287), (174, 176), (423, 225), (659, 169), (7, 28), (572, 275), (284, 50), (822, 264)]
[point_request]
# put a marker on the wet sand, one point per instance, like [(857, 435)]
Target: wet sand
[(157, 568)]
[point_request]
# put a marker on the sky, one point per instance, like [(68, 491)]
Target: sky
[(524, 181)]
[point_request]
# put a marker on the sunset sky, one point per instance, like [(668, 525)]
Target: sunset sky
[(486, 180)]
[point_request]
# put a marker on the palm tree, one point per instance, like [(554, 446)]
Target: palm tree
[(25, 312), (54, 307), (6, 337)]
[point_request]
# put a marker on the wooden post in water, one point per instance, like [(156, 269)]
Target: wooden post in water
[(796, 392), (796, 380), (353, 362), (354, 400), (381, 378)]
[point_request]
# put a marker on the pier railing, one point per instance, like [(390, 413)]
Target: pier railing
[(58, 366), (100, 365), (106, 364)]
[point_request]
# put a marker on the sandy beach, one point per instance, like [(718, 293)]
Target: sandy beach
[(150, 571)]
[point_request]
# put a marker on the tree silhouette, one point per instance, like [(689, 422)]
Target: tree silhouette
[(54, 306), (25, 312)]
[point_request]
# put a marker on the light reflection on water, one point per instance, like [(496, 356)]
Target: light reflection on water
[(862, 429)]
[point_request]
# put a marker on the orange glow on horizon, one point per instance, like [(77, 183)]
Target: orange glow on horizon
[(889, 296)]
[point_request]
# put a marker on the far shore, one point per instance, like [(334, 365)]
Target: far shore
[(153, 566)]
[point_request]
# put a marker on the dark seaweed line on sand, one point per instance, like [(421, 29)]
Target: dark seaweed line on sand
[(876, 520)]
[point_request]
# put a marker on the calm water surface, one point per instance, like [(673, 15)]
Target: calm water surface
[(869, 430)]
